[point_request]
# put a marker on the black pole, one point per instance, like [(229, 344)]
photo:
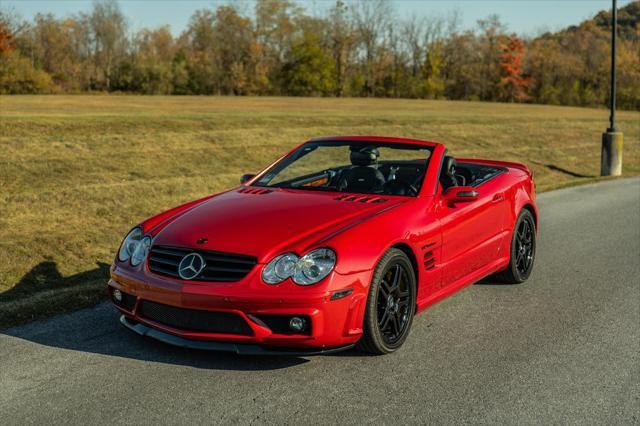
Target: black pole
[(614, 26), (611, 160)]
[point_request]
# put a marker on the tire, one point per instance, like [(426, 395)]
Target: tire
[(391, 304), (523, 250)]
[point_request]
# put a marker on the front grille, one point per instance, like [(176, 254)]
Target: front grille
[(221, 267), (194, 320)]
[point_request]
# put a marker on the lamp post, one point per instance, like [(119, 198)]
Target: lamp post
[(611, 161)]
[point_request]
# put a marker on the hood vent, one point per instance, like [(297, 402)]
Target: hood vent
[(256, 191), (361, 199)]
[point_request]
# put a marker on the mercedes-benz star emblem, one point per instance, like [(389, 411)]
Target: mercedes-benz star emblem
[(190, 266)]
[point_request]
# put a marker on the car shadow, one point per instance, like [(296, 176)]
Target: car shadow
[(491, 280), (98, 330), (46, 276)]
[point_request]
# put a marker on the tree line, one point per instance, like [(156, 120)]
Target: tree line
[(356, 48)]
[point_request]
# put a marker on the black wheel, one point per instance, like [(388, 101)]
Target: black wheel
[(523, 250), (391, 304)]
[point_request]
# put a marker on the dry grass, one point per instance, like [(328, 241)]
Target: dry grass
[(76, 172)]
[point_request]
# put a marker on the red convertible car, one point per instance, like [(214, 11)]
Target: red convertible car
[(338, 243)]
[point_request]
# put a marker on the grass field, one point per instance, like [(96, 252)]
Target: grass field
[(76, 172)]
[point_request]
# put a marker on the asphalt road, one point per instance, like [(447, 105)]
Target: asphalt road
[(562, 348)]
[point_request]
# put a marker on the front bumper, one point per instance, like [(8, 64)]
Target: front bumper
[(237, 348), (334, 324)]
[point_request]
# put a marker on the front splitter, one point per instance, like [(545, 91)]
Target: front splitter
[(237, 348)]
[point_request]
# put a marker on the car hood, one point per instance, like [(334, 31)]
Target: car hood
[(264, 223)]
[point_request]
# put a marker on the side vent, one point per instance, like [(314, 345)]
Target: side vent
[(429, 259), (361, 199), (256, 191)]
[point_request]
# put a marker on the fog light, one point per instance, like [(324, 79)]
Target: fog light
[(297, 324), (117, 295)]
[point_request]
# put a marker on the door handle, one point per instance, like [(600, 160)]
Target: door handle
[(498, 197)]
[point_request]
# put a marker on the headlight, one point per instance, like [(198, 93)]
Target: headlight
[(129, 244), (305, 270), (280, 268), (140, 252)]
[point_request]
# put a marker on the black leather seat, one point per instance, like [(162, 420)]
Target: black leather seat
[(364, 176), (448, 173)]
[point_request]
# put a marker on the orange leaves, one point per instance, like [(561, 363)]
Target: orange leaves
[(5, 39), (513, 84)]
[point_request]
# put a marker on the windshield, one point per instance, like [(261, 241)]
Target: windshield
[(355, 167)]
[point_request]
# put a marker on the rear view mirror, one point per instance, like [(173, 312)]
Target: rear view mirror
[(461, 194), (246, 178)]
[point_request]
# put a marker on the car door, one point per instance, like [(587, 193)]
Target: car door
[(471, 233)]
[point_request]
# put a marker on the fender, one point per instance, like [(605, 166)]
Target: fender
[(507, 164)]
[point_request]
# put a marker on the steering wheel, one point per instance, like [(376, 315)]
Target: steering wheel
[(399, 187)]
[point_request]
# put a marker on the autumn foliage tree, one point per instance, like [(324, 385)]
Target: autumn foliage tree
[(513, 84), (5, 38), (351, 48)]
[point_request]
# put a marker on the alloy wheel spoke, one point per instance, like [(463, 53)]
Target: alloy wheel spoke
[(384, 321), (396, 325), (523, 264), (396, 278), (518, 257), (384, 289), (402, 319)]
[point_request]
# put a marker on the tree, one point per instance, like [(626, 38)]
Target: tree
[(109, 27), (274, 32), (18, 76), (149, 69), (434, 84), (10, 27), (5, 38), (412, 35), (232, 38), (55, 51), (513, 84), (489, 51), (199, 40), (308, 68), (371, 18), (342, 42)]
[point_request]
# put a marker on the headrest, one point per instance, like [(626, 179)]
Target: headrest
[(449, 165), (366, 156)]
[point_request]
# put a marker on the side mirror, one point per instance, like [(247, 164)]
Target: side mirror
[(246, 178), (460, 194)]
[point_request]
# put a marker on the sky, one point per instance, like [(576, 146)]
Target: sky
[(525, 17)]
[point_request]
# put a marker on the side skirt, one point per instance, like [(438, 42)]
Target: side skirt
[(476, 276)]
